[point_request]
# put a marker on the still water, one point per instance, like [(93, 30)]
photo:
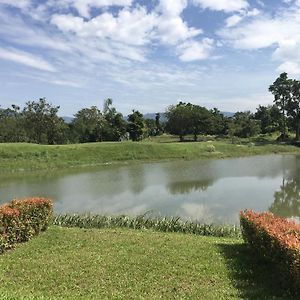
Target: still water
[(211, 191)]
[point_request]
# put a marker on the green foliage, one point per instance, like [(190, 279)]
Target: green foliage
[(115, 125), (88, 125), (179, 120), (20, 220), (293, 108), (269, 117), (287, 98), (187, 118), (12, 125), (42, 124), (244, 125), (142, 222), (277, 240), (211, 148), (136, 126)]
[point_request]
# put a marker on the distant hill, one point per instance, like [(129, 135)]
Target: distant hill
[(227, 114), (68, 120), (151, 116)]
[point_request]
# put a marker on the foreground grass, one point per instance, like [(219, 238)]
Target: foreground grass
[(28, 157), (65, 263)]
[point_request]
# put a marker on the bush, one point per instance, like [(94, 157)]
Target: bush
[(277, 239), (210, 148), (20, 220)]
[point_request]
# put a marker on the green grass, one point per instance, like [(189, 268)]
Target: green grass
[(30, 157), (65, 263)]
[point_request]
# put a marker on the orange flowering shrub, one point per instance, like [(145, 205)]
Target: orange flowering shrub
[(22, 219), (275, 238), (35, 214)]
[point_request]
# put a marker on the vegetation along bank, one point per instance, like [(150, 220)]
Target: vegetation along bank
[(16, 157)]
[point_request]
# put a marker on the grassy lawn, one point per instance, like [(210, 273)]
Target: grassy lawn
[(65, 263), (27, 157)]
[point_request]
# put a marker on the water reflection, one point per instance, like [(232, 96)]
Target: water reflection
[(186, 187), (206, 190), (287, 198)]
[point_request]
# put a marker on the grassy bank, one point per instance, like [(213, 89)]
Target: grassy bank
[(65, 263), (27, 157)]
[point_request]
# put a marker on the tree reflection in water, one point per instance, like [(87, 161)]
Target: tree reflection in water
[(287, 199), (186, 187)]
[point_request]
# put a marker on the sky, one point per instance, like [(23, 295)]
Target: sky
[(146, 54)]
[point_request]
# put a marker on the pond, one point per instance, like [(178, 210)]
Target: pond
[(210, 191)]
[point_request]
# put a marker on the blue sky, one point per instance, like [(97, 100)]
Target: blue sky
[(146, 55)]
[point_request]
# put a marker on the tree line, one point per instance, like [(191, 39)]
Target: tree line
[(38, 121)]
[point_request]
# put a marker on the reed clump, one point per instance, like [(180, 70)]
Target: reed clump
[(174, 224)]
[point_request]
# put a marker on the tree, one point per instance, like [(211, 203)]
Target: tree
[(159, 127), (136, 125), (187, 118), (293, 108), (201, 120), (151, 127), (218, 122), (42, 124), (115, 126), (282, 91), (12, 125), (179, 119), (244, 125), (89, 124), (269, 117)]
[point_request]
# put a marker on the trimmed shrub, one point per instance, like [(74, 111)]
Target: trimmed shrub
[(276, 239), (20, 220), (9, 227), (35, 215)]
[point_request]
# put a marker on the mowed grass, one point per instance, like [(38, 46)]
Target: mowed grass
[(65, 263), (30, 157)]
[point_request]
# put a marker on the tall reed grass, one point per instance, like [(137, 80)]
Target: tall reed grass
[(164, 224)]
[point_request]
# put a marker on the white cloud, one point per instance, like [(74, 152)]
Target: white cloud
[(120, 38), (84, 6), (253, 13), (174, 30), (129, 27), (246, 102), (260, 33), (281, 32), (222, 5), (236, 19), (290, 67), (233, 20), (171, 28), (134, 27), (261, 3), (193, 50), (26, 59), (172, 8), (16, 3)]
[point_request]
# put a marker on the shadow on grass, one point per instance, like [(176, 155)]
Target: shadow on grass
[(254, 277)]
